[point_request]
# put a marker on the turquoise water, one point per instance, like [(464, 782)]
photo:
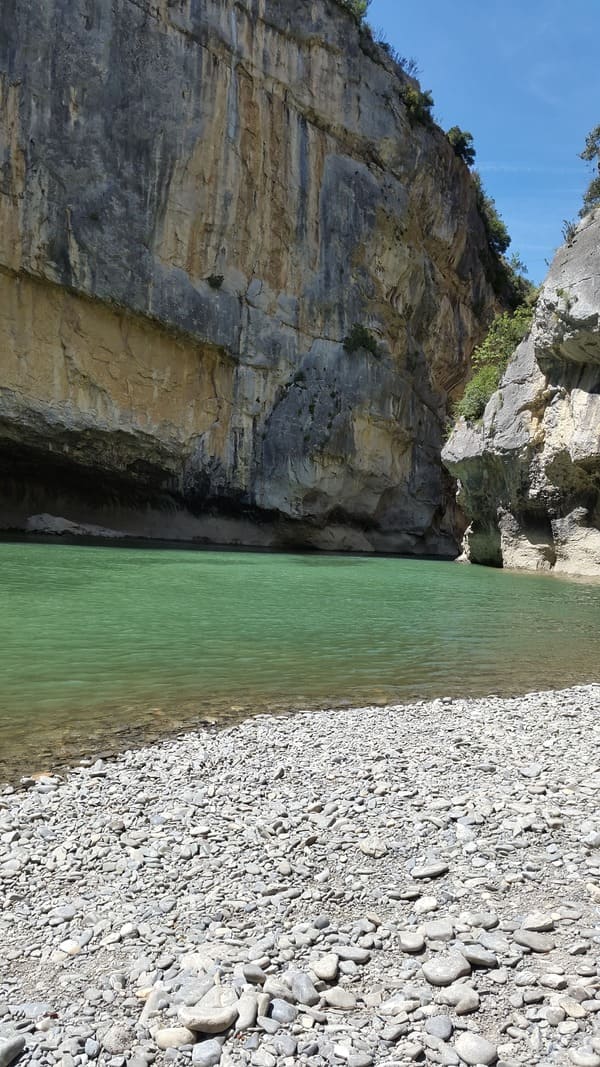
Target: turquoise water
[(102, 644)]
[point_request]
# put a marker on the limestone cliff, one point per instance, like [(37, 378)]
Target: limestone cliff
[(198, 199), (530, 471)]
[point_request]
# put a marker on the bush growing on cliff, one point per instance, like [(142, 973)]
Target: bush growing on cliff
[(358, 8), (497, 234), (490, 360), (418, 103), (591, 197), (462, 143), (406, 63), (591, 154), (359, 337)]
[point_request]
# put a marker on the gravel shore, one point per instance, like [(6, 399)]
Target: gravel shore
[(404, 885)]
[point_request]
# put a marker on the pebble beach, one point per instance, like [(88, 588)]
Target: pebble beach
[(400, 885)]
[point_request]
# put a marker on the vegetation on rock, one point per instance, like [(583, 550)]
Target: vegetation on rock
[(497, 233), (360, 337), (418, 103), (591, 154), (490, 360), (358, 8), (462, 143)]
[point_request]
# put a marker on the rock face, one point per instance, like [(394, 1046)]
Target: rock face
[(198, 199), (530, 471)]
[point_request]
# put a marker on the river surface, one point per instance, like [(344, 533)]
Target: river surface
[(101, 647)]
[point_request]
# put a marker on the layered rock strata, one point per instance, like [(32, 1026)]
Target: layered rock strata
[(197, 202), (530, 470)]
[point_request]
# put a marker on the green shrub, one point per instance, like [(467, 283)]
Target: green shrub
[(569, 229), (497, 234), (418, 103), (490, 360), (358, 8), (215, 280), (477, 392), (591, 197), (359, 337), (591, 154), (462, 143)]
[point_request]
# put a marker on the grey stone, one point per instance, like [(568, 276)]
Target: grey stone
[(440, 1026), (475, 1050), (303, 990), (445, 970), (533, 941), (173, 1037), (478, 956), (539, 922), (352, 952), (254, 974), (439, 930), (584, 1057), (430, 870), (283, 1012), (373, 847), (118, 1038), (11, 1046), (207, 1053), (247, 1008), (215, 1013), (411, 941), (337, 997)]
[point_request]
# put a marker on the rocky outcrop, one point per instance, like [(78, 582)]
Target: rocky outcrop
[(197, 202), (530, 471)]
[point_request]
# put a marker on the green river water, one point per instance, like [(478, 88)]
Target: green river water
[(101, 647)]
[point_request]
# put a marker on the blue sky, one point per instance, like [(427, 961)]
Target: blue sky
[(524, 77)]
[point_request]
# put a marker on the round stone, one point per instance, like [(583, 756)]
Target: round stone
[(411, 941), (283, 1012), (533, 941), (206, 1053), (584, 1057), (174, 1037), (440, 1026), (444, 970), (430, 870), (326, 968), (214, 1013), (475, 1050)]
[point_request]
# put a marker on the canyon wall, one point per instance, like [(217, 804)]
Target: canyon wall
[(198, 199), (530, 470)]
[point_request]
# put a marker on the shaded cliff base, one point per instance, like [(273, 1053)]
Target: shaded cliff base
[(46, 493)]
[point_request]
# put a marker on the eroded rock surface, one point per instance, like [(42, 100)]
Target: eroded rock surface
[(197, 202), (530, 471)]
